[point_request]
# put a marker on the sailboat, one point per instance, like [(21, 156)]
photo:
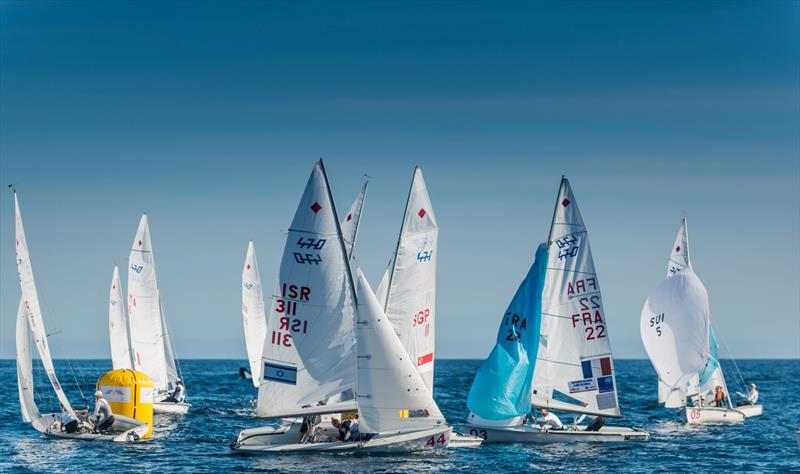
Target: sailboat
[(695, 397), (407, 291), (31, 325), (330, 349), (552, 348), (253, 316), (150, 342)]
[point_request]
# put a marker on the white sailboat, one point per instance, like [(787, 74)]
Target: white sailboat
[(351, 221), (694, 399), (407, 291), (313, 363), (150, 341), (553, 347), (253, 316), (31, 325)]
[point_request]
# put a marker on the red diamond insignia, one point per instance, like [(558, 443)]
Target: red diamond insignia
[(565, 202), (316, 207), (140, 243), (421, 213), (678, 248), (349, 217), (113, 287), (248, 266)]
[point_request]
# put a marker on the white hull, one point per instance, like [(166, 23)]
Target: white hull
[(123, 430), (751, 410), (535, 434), (171, 408), (712, 416), (284, 439), (461, 440)]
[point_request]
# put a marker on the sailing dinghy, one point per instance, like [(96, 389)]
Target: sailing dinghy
[(150, 340), (407, 291), (694, 398), (253, 316), (323, 347), (552, 348), (30, 325)]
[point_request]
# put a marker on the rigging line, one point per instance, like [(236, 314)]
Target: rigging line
[(735, 365), (86, 402)]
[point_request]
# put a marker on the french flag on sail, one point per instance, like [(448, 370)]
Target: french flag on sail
[(596, 367)]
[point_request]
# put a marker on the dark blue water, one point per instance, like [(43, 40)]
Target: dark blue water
[(222, 407)]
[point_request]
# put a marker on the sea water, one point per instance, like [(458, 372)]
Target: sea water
[(223, 405)]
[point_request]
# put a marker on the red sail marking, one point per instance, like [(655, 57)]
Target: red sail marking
[(421, 213), (422, 360)]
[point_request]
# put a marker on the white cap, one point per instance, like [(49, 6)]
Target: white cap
[(98, 393)]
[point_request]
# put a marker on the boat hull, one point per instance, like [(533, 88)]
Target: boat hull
[(712, 416), (171, 408), (751, 410), (123, 430), (268, 440), (461, 440), (535, 434)]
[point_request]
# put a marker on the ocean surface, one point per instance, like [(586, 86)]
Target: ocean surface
[(222, 405)]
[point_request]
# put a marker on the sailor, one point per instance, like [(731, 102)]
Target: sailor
[(751, 398), (178, 395), (348, 430), (550, 420), (719, 397), (308, 428), (102, 411), (69, 422)]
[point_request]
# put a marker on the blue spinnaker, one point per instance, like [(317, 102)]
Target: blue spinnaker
[(713, 359), (502, 386)]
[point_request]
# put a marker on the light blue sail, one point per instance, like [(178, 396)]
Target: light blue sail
[(713, 360), (502, 386)]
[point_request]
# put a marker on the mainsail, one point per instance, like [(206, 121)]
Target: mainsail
[(351, 220), (31, 308), (148, 335), (410, 290), (574, 367), (118, 326), (309, 349), (392, 397), (675, 328), (253, 316)]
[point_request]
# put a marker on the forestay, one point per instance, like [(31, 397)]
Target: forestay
[(27, 400), (410, 301), (392, 396), (351, 221), (253, 316), (675, 328), (31, 308), (575, 369), (309, 348), (502, 386), (118, 326), (144, 311)]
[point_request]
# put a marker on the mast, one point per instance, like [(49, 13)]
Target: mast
[(339, 236), (399, 238)]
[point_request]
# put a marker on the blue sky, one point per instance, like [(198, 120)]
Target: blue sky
[(209, 116)]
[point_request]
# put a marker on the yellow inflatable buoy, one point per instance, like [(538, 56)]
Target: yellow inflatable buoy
[(130, 393)]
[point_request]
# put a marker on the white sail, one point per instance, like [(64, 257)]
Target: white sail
[(574, 366), (253, 315), (144, 311), (33, 313), (309, 350), (351, 220), (383, 285), (392, 396), (169, 351), (411, 289), (678, 260), (675, 328), (118, 326), (27, 401)]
